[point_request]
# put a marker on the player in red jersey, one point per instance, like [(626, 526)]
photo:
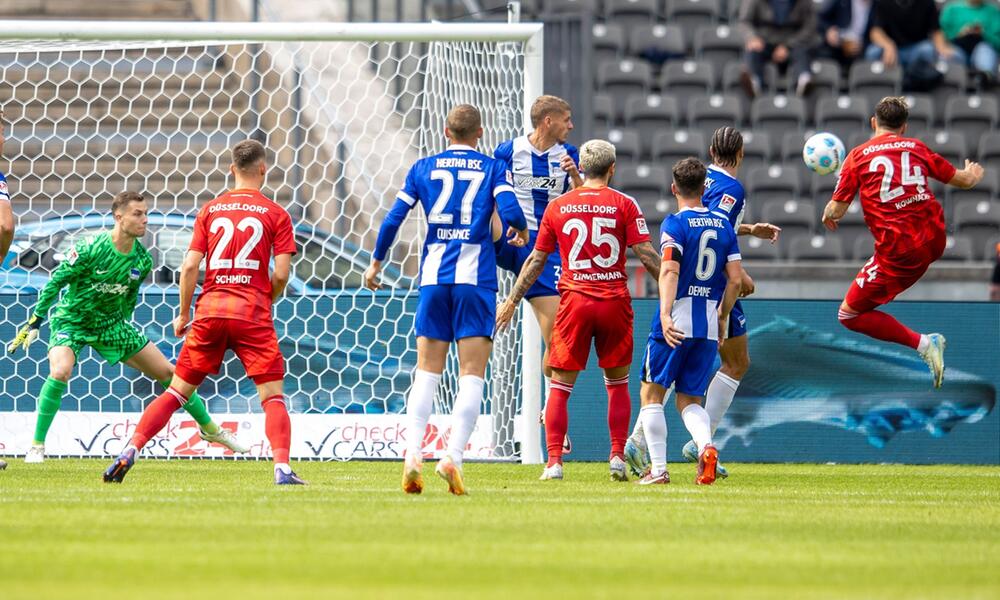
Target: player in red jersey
[(890, 170), (239, 232), (592, 225)]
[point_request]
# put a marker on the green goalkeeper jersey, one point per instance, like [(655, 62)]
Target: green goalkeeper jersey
[(103, 283)]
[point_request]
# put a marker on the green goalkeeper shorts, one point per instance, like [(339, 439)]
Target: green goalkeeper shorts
[(116, 342)]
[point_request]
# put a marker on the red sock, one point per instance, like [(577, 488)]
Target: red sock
[(556, 419), (156, 416), (619, 413), (277, 427), (881, 326)]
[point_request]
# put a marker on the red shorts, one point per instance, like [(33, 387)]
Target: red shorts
[(255, 344), (883, 277), (582, 318)]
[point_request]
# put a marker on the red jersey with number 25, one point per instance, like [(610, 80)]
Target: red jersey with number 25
[(593, 227), (237, 232), (892, 173)]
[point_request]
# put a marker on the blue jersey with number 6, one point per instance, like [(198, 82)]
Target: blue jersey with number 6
[(458, 190), (706, 243)]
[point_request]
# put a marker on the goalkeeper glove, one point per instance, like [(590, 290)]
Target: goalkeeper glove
[(27, 335)]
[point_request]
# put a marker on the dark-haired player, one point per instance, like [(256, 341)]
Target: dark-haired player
[(890, 170), (724, 196)]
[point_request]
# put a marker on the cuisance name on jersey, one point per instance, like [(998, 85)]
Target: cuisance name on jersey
[(705, 222), (453, 234), (596, 209), (256, 208), (457, 162), (526, 182), (608, 276), (233, 279), (902, 144)]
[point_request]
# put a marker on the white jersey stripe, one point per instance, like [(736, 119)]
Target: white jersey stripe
[(432, 264), (406, 197), (681, 314), (712, 319), (467, 267)]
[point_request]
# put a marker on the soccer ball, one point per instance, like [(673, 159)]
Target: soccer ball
[(824, 153)]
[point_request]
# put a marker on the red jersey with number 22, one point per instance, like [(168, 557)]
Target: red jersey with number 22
[(593, 227), (237, 232), (891, 173)]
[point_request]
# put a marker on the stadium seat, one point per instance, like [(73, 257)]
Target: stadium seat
[(863, 248), (815, 248), (775, 182), (752, 248), (949, 144), (857, 139), (619, 79), (756, 150), (978, 221), (732, 73), (971, 115), (627, 144), (720, 45), (644, 182), (631, 13), (987, 190), (822, 187), (686, 79), (851, 227), (689, 14), (571, 6), (708, 113), (671, 146), (921, 117), (609, 43), (650, 113), (825, 78), (778, 114), (793, 216), (842, 115), (954, 84), (989, 151), (792, 141), (605, 115), (656, 211), (657, 43), (873, 80), (957, 249)]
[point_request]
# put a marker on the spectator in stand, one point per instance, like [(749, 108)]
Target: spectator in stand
[(995, 284), (844, 25), (782, 32), (973, 28), (907, 32)]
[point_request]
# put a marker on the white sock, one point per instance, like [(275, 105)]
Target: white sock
[(419, 406), (698, 425), (719, 397), (637, 430), (464, 414), (654, 425), (924, 343), (283, 467)]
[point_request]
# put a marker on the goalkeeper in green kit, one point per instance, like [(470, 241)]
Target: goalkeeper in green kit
[(104, 274)]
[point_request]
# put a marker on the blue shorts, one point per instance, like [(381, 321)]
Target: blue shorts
[(689, 367), (454, 312), (510, 258), (737, 321)]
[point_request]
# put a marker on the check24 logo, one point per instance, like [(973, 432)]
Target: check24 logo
[(195, 446)]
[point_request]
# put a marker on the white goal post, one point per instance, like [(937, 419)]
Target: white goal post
[(92, 108)]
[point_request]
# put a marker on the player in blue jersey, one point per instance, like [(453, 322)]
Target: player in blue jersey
[(459, 189), (699, 283), (724, 196), (6, 220), (544, 167)]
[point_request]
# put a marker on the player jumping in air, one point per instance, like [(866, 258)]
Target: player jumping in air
[(459, 189), (239, 231), (701, 269), (590, 226), (544, 167), (891, 170), (104, 274), (725, 197), (6, 221)]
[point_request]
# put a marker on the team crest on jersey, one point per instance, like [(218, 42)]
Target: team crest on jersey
[(72, 256), (134, 274), (62, 335), (510, 177), (727, 203), (640, 224), (3, 189)]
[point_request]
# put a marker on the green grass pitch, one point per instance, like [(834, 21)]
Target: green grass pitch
[(201, 529)]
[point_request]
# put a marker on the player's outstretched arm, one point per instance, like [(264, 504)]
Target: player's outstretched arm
[(279, 277), (387, 234), (68, 271), (764, 231), (529, 274), (833, 213), (189, 279), (648, 257), (968, 177)]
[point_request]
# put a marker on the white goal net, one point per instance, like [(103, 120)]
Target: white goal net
[(343, 117)]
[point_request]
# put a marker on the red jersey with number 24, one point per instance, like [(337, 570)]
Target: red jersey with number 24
[(237, 232), (592, 227), (891, 173)]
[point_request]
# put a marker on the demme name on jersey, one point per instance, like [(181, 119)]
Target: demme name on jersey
[(457, 162), (699, 291)]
